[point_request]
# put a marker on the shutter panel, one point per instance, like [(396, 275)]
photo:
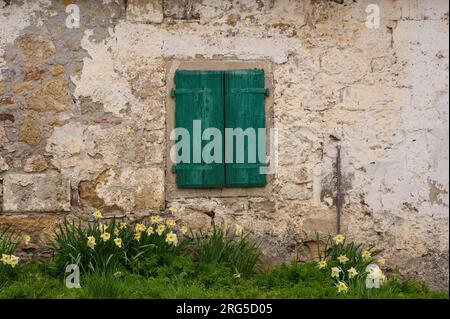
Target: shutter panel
[(199, 95), (245, 108)]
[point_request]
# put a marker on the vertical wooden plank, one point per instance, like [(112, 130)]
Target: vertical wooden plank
[(244, 108), (199, 96)]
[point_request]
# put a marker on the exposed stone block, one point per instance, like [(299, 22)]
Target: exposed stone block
[(35, 163), (39, 226), (145, 11), (3, 165), (31, 132), (182, 9), (53, 96), (126, 189), (35, 48), (35, 193)]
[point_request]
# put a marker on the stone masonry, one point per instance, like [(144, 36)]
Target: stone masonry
[(83, 118)]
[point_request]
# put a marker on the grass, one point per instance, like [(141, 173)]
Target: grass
[(306, 281), (152, 262)]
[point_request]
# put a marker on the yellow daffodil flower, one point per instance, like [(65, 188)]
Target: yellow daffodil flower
[(342, 287), (6, 259), (13, 261), (140, 228), (27, 239), (150, 230), (98, 214), (122, 225), (352, 273), (118, 242), (116, 231), (91, 242), (335, 271), (172, 238), (173, 210), (322, 264), (171, 223), (381, 261), (339, 239), (105, 236), (160, 229), (343, 259), (137, 236), (155, 219), (184, 230), (118, 274), (366, 255)]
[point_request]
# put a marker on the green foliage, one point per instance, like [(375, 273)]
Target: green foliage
[(218, 264), (220, 246), (286, 281), (142, 254), (103, 286), (8, 246)]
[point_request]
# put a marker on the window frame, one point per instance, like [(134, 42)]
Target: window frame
[(172, 190)]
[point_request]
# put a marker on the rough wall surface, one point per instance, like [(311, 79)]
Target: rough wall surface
[(82, 117)]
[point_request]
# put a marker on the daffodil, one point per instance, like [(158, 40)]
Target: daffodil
[(118, 274), (137, 236), (171, 223), (27, 239), (13, 261), (116, 231), (98, 214), (173, 210), (381, 261), (343, 259), (140, 228), (322, 264), (155, 219), (339, 239), (172, 238), (184, 230), (160, 229), (342, 287), (105, 236), (122, 225), (366, 255), (352, 273), (118, 242), (335, 271), (6, 259), (150, 230), (91, 242), (239, 230)]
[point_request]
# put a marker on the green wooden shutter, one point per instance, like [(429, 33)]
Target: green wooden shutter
[(199, 95), (244, 108)]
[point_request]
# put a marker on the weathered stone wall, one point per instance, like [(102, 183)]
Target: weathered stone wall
[(83, 117)]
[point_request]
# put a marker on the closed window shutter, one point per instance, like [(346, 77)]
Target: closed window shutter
[(245, 108), (199, 95)]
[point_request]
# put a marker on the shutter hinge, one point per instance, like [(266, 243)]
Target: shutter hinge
[(264, 91)]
